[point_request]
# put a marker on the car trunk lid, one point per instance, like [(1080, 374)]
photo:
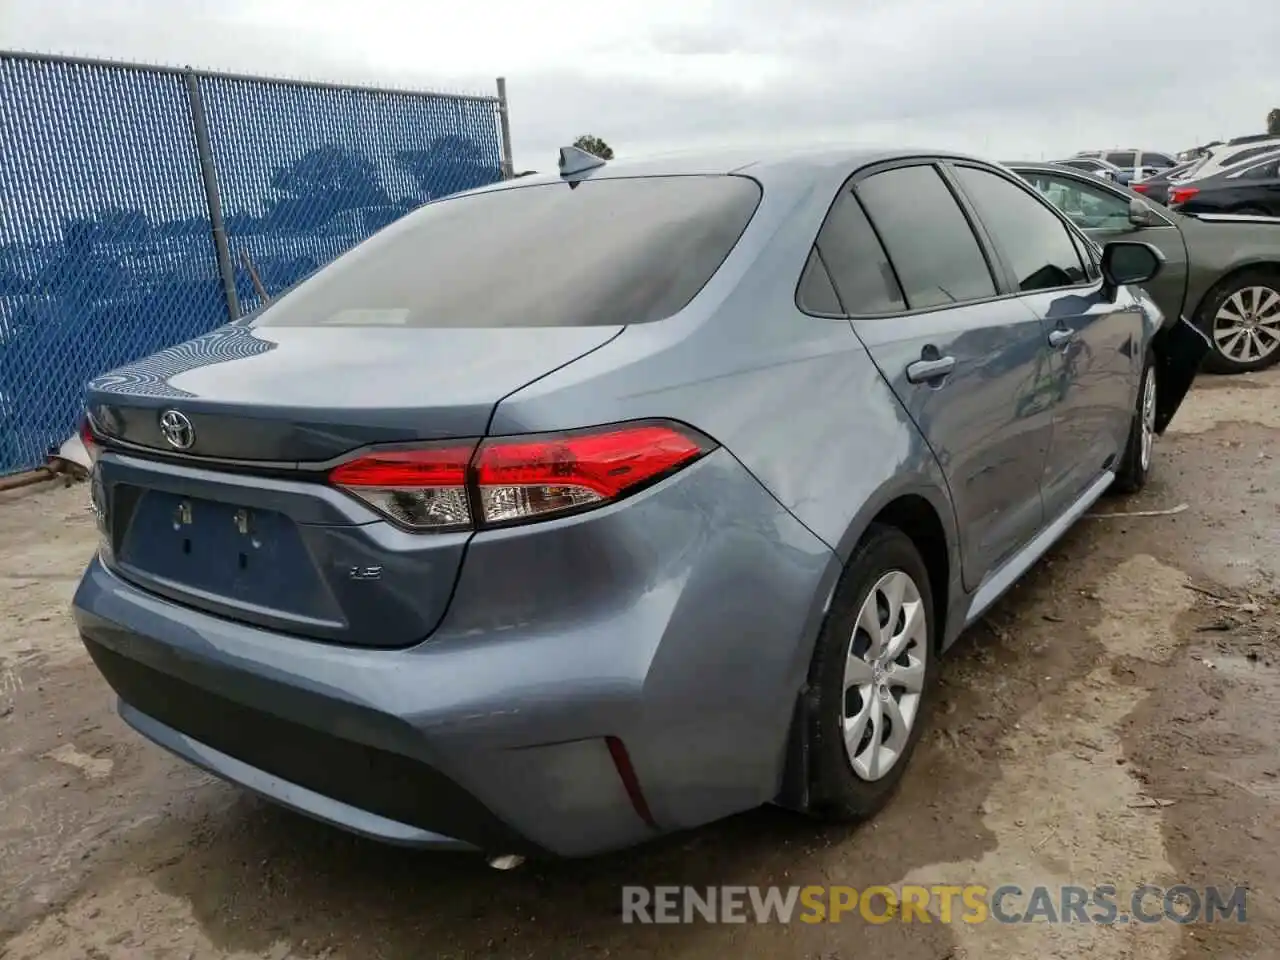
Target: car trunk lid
[(232, 515), (289, 395)]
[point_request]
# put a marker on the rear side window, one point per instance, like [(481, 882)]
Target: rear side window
[(927, 237), (857, 263), (1036, 244), (816, 294), (601, 252), (1263, 171), (1125, 159)]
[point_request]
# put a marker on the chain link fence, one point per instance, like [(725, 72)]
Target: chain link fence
[(143, 206)]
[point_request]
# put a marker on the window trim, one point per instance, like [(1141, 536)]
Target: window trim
[(1006, 289)]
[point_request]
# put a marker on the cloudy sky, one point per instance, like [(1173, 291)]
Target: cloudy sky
[(1006, 78)]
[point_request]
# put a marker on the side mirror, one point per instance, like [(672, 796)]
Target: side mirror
[(1139, 213), (1127, 261)]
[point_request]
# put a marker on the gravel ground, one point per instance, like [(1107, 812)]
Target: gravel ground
[(1115, 719)]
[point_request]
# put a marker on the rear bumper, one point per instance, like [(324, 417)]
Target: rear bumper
[(346, 781), (687, 641), (309, 802)]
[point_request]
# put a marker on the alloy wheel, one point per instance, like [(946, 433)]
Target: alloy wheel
[(884, 675), (1246, 327), (1148, 419)]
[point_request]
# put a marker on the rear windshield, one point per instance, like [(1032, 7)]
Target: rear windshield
[(601, 252)]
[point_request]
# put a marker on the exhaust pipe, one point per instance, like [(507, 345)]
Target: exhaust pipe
[(507, 861)]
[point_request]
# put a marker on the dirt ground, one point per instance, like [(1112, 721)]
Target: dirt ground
[(1115, 719)]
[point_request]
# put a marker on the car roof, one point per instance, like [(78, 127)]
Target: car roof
[(761, 163)]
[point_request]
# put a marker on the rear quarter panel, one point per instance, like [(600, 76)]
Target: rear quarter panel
[(795, 398)]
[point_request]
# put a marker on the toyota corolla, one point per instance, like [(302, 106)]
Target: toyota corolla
[(591, 506)]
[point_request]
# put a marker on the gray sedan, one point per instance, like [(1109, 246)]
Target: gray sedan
[(587, 507)]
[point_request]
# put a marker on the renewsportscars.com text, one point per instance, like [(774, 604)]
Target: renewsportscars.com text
[(1104, 904)]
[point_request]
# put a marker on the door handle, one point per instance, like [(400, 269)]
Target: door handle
[(924, 371), (1061, 337)]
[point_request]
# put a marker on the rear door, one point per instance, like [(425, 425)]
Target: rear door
[(1095, 344), (1104, 216), (968, 364)]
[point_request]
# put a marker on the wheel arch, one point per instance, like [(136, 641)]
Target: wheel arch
[(924, 513), (917, 517)]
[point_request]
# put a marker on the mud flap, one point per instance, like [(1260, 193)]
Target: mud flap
[(794, 792), (1179, 350)]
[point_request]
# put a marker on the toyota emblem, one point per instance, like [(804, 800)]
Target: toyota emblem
[(177, 430)]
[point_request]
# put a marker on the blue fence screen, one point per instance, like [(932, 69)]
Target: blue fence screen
[(107, 249)]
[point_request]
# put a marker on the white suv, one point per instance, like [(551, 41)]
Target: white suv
[(1216, 159), (1136, 164)]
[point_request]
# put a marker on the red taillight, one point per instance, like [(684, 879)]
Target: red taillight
[(1138, 187), (512, 479), (1179, 195), (424, 488), (88, 438), (521, 478)]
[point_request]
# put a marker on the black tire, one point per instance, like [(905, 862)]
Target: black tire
[(1134, 469), (1217, 361), (836, 792)]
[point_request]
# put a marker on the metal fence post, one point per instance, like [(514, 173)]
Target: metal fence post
[(504, 121), (209, 177)]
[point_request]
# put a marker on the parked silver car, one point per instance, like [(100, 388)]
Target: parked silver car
[(582, 508)]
